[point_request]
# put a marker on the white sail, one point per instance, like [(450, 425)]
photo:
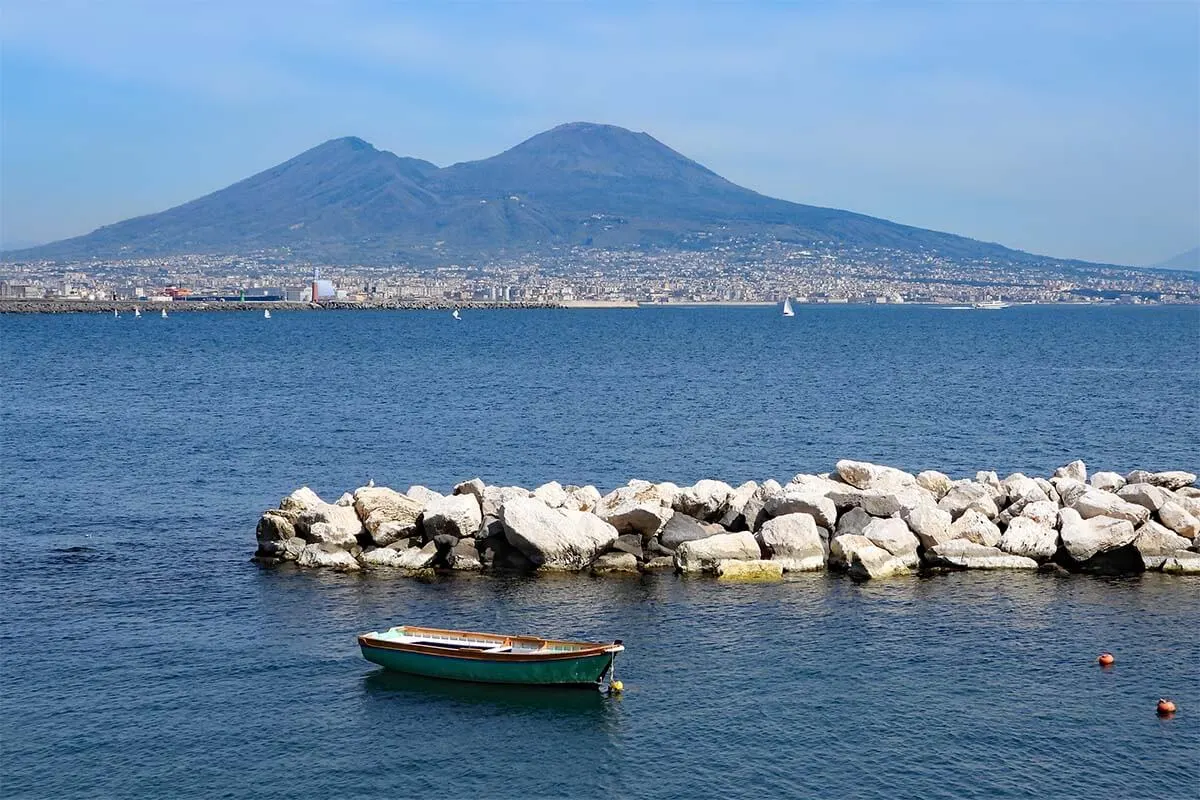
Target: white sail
[(266, 313), (164, 313), (787, 307), (137, 312), (455, 314)]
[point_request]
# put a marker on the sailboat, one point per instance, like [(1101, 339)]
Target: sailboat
[(266, 313), (137, 312), (116, 314), (787, 307), (455, 314), (164, 313)]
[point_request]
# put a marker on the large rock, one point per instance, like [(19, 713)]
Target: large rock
[(803, 500), (378, 558), (754, 512), (1084, 539), (581, 498), (894, 502), (1175, 479), (330, 524), (1182, 562), (415, 558), (865, 475), (937, 483), (423, 495), (1030, 538), (968, 495), (303, 499), (794, 541), (1020, 486), (475, 486), (895, 537), (494, 497), (853, 522), (328, 556), (630, 543), (1095, 503), (1076, 471), (1069, 490), (973, 526), (681, 528), (1043, 512), (615, 562), (705, 500), (930, 524), (1156, 544), (702, 555), (276, 526), (733, 516), (1107, 481), (558, 539), (552, 494), (734, 570), (1179, 519), (863, 558), (1146, 495), (377, 505), (640, 507), (458, 515), (962, 554)]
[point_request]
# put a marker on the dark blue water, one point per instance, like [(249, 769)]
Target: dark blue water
[(143, 655)]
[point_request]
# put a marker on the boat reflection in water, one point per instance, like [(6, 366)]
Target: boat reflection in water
[(558, 698)]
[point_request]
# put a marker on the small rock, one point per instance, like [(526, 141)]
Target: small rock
[(853, 522), (422, 495), (754, 511), (1146, 495), (1107, 481), (733, 516), (864, 475), (630, 543), (303, 499), (681, 528), (1076, 471), (1182, 562), (552, 494), (581, 498), (659, 564), (615, 562), (937, 483), (1176, 479), (328, 556)]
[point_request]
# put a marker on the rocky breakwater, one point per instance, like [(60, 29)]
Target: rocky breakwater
[(867, 520)]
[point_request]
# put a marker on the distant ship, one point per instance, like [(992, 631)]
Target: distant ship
[(787, 307), (991, 304)]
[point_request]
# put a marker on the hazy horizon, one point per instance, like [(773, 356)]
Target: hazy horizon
[(1070, 131)]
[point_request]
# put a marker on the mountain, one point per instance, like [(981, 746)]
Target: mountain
[(579, 183), (1186, 261)]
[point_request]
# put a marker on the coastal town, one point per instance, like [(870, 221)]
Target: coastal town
[(741, 272)]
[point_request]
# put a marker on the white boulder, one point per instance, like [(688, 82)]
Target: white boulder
[(973, 526), (1156, 543), (328, 556), (702, 555), (894, 536), (1084, 539), (640, 507), (458, 515), (704, 501), (865, 475), (794, 542), (1031, 538), (1095, 503), (968, 495), (962, 554), (554, 538), (1179, 519), (930, 524)]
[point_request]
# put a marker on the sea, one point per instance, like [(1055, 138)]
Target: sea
[(143, 654)]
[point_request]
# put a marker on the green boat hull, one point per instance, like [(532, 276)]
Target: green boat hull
[(584, 670)]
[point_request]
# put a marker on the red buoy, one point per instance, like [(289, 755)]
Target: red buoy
[(1165, 707), (1105, 659)]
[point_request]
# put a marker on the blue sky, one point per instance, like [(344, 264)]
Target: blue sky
[(1071, 129)]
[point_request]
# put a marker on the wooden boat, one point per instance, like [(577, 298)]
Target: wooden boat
[(489, 657)]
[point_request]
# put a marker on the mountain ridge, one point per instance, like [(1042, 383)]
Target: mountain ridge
[(580, 183)]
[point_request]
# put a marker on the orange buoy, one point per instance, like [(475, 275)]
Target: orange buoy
[(1105, 659), (1165, 707)]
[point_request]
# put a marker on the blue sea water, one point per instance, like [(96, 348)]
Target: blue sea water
[(143, 655)]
